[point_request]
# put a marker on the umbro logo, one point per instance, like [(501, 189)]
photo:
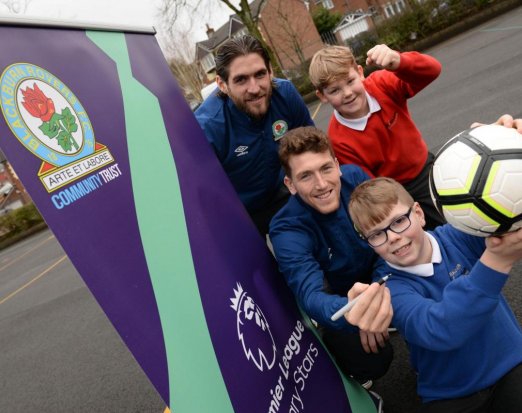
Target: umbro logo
[(241, 150)]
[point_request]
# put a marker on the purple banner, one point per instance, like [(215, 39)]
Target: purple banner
[(100, 135)]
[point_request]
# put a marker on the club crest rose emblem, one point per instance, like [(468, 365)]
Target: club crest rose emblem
[(49, 120), (279, 128)]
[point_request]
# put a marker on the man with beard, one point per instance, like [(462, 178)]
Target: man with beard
[(244, 121)]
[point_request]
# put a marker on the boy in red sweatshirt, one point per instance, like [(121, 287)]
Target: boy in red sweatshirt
[(371, 125)]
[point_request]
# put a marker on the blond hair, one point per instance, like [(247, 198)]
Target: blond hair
[(330, 64), (372, 201)]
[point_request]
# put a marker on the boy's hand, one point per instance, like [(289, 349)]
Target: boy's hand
[(384, 57), (502, 252), (504, 120), (373, 311)]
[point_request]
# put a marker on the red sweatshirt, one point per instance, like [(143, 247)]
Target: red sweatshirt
[(390, 145)]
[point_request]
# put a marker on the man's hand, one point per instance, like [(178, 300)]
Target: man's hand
[(372, 341), (505, 120), (384, 57), (372, 312)]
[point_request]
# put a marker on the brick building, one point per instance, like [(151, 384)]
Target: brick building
[(12, 193), (286, 26), (359, 15)]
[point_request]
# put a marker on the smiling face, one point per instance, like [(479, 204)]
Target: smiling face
[(316, 178), (347, 94), (410, 247), (249, 84)]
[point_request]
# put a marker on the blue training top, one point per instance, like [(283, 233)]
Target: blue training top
[(321, 255), (247, 148), (462, 335)]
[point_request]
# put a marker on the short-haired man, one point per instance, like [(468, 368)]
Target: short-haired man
[(244, 122), (323, 259)]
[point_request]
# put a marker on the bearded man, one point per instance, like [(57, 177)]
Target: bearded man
[(244, 119)]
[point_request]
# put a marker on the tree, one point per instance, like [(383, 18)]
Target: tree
[(324, 20), (288, 23), (16, 6), (181, 60), (173, 11), (188, 76)]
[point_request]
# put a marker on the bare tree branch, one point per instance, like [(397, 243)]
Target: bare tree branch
[(172, 11), (231, 6), (290, 32), (16, 6)]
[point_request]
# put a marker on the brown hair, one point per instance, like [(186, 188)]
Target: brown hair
[(330, 64), (301, 140), (372, 201), (235, 47)]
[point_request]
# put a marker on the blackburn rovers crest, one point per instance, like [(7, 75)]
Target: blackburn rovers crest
[(49, 120), (279, 128)]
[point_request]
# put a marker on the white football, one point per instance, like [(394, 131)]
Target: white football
[(476, 180)]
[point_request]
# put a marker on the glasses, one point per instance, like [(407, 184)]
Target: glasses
[(400, 224)]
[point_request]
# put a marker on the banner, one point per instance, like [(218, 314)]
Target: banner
[(103, 140)]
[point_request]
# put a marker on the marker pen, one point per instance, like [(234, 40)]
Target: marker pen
[(344, 309)]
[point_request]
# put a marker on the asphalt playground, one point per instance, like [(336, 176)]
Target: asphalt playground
[(480, 81), (59, 353)]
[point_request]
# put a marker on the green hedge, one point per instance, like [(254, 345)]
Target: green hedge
[(428, 23), (19, 221), (421, 27)]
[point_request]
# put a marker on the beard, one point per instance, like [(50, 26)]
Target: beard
[(255, 111)]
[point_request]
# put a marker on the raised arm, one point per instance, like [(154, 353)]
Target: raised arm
[(383, 57), (448, 321)]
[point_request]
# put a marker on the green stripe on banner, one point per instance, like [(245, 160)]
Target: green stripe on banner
[(195, 380)]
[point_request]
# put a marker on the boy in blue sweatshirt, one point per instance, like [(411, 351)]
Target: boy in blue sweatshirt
[(465, 342)]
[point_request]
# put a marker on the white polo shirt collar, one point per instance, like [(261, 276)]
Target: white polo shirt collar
[(359, 124), (424, 270)]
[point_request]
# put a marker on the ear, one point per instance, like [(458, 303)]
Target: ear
[(290, 185), (321, 96), (338, 166), (419, 213), (222, 85), (360, 70)]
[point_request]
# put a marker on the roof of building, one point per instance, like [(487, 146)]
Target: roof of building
[(226, 31)]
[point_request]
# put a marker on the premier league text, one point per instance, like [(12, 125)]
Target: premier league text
[(295, 366)]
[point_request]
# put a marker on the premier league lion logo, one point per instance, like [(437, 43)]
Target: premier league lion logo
[(253, 331)]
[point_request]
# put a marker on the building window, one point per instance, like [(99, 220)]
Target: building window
[(208, 62), (328, 4), (391, 9), (240, 32), (388, 10)]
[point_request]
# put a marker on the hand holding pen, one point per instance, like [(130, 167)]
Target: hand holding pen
[(346, 308), (371, 311)]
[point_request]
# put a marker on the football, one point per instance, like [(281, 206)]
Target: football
[(476, 180)]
